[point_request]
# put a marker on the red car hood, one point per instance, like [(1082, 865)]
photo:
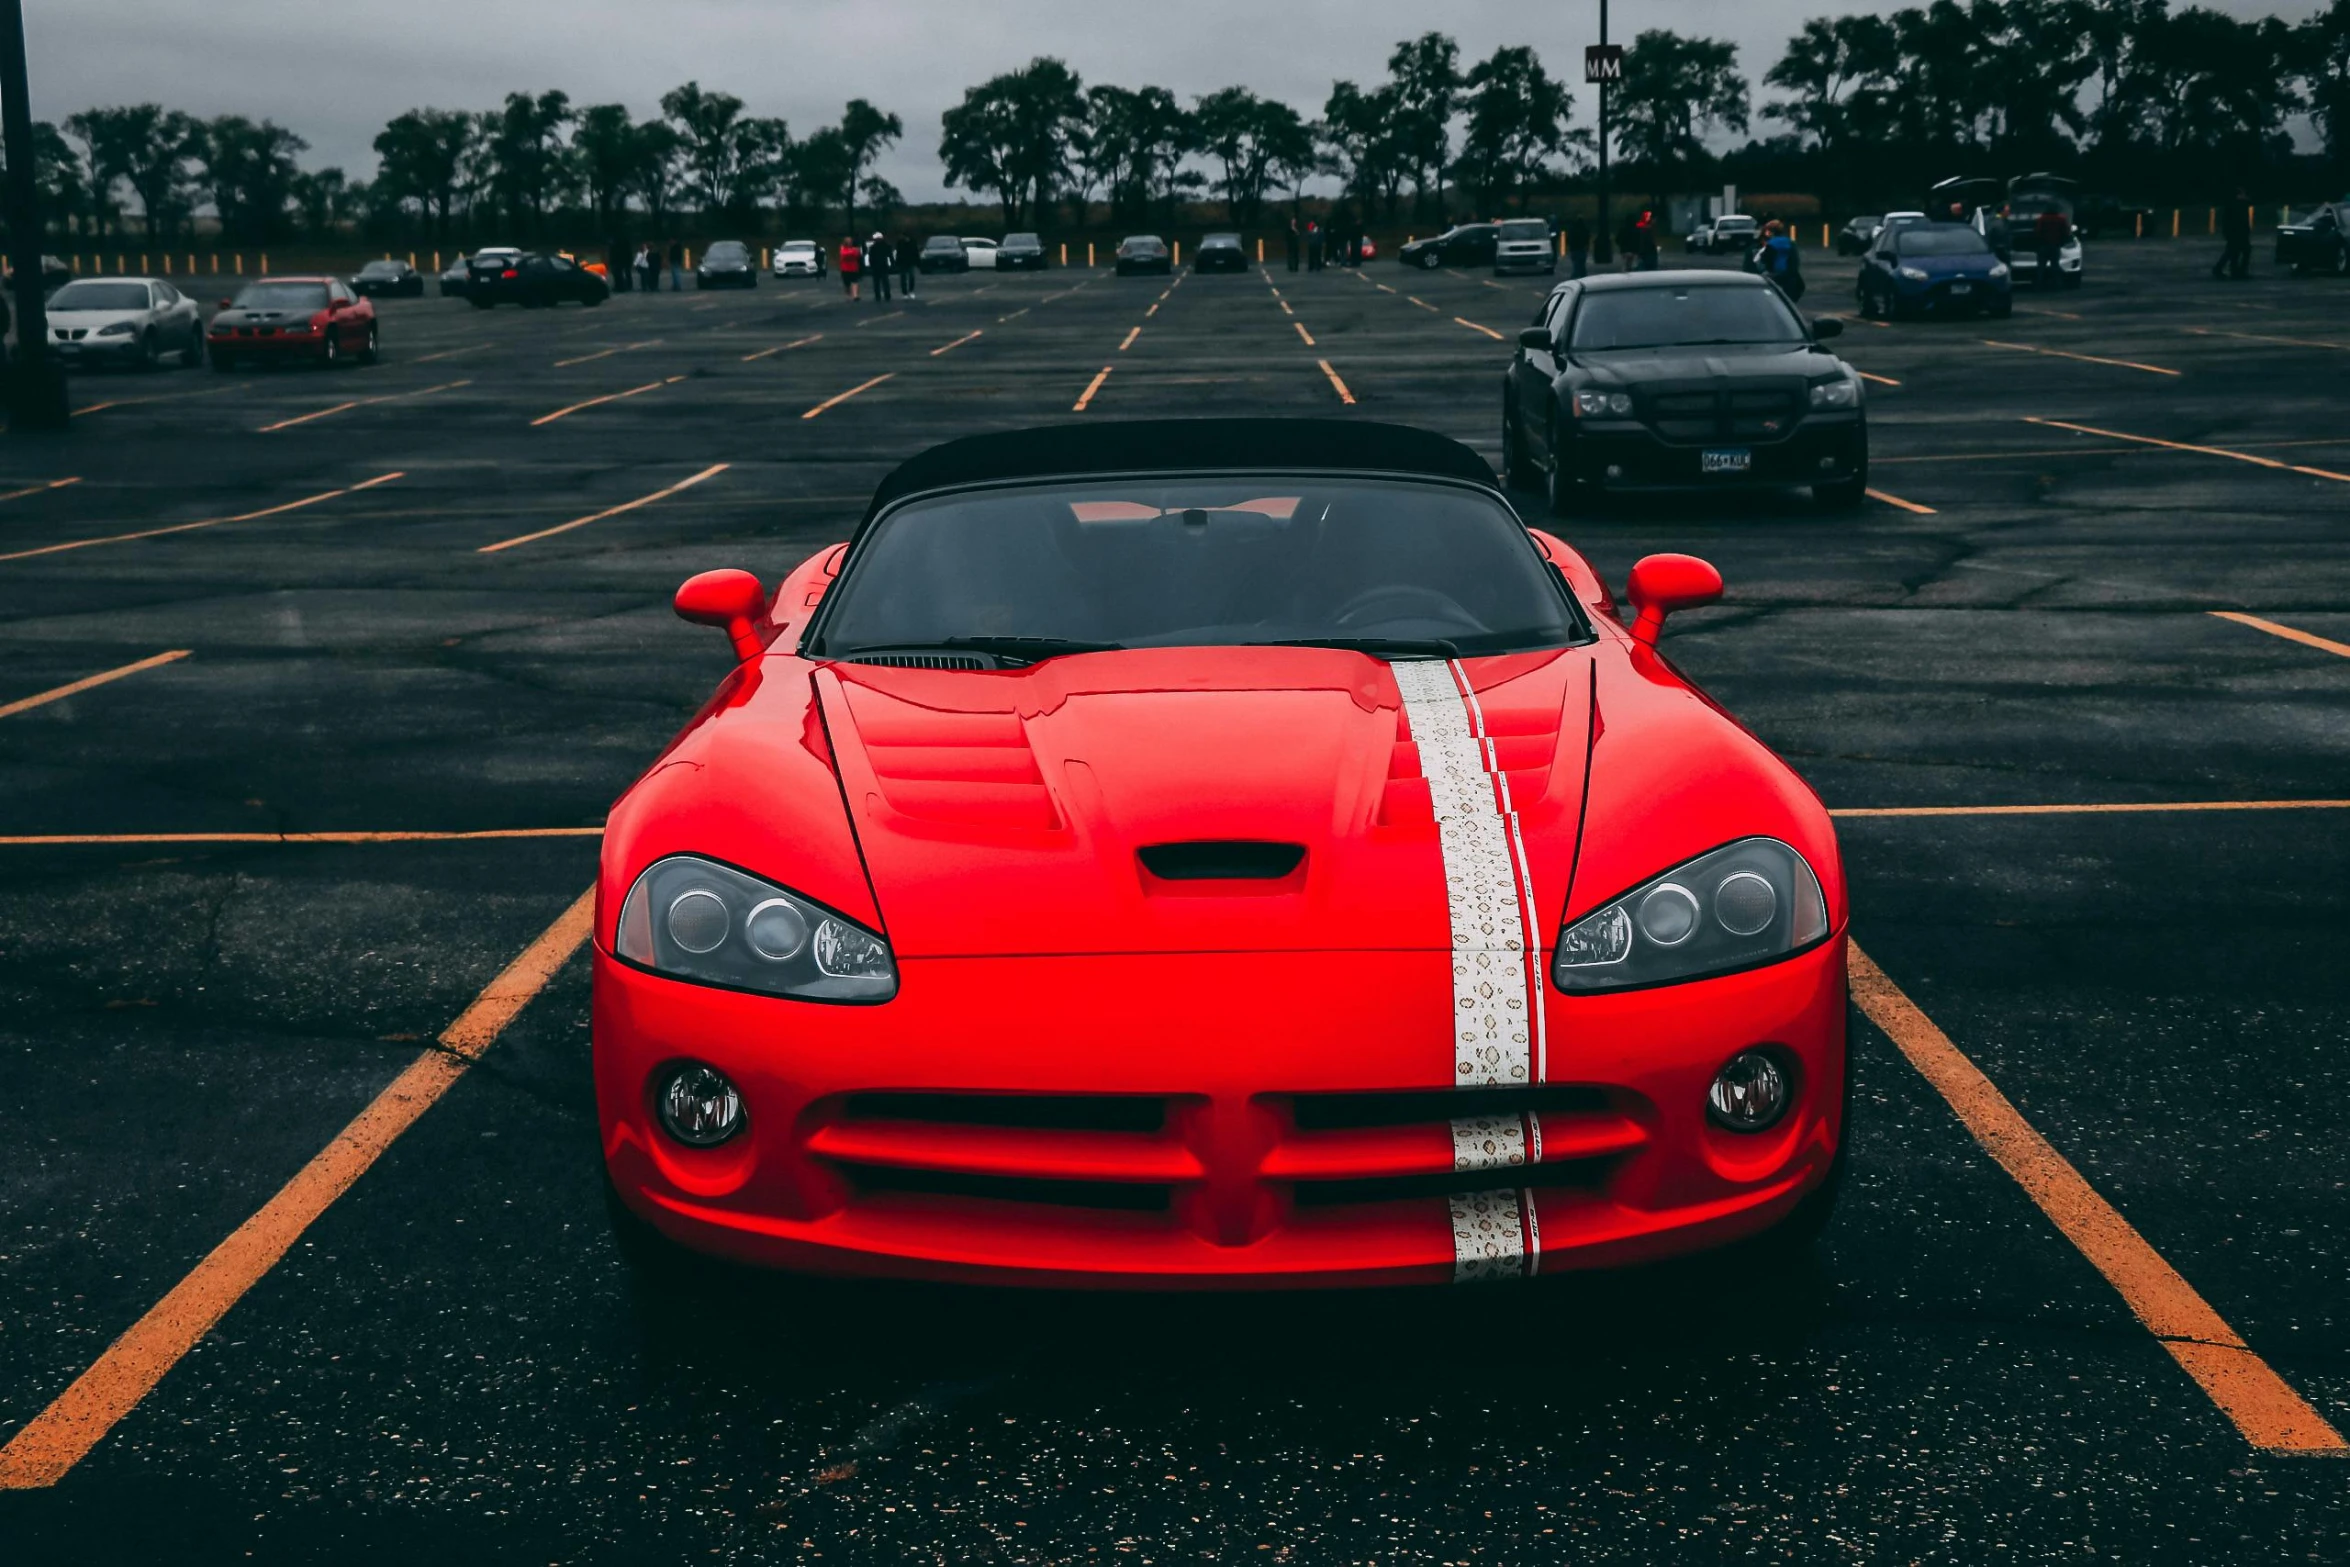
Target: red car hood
[(1002, 813)]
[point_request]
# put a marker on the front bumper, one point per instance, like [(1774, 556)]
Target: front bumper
[(98, 350), (1205, 1120), (1622, 454), (742, 279), (1939, 298), (256, 342), (1529, 261)]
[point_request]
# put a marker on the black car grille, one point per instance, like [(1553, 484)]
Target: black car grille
[(1725, 414)]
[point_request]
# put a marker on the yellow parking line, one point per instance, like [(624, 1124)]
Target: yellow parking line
[(1381, 287), (160, 397), (2087, 359), (608, 397), (54, 840), (360, 402), (957, 343), (1339, 386), (1128, 341), (36, 489), (2261, 1404), (78, 1419), (1302, 332), (1153, 310), (2090, 810), (1015, 315), (1474, 327), (26, 704), (2185, 446), (1895, 500), (889, 315), (1881, 380), (797, 342), (2037, 310), (606, 353), (2289, 633), (610, 511), (839, 398), (451, 353), (207, 522), (1091, 387), (1422, 303), (2264, 337)]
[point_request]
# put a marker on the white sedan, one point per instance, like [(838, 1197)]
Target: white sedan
[(124, 320), (980, 253), (799, 258)]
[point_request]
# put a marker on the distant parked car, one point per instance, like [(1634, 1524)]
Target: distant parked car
[(1933, 268), (124, 321), (2316, 239), (979, 252), (727, 264), (1220, 253), (799, 258), (943, 253), (1524, 245), (388, 279), (1462, 245), (1143, 253), (313, 318), (453, 278), (1731, 234), (531, 279), (2097, 216), (1856, 235), (1020, 252)]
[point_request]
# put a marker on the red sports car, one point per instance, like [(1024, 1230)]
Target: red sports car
[(314, 318), (1213, 853)]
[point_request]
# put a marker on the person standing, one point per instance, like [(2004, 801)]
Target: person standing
[(881, 264), (852, 263), (1290, 240), (1644, 238), (2235, 228), (1313, 246), (648, 271), (908, 257), (1578, 247), (2049, 232), (677, 266)]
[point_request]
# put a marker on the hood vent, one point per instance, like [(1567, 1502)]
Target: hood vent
[(1226, 861), (923, 660)]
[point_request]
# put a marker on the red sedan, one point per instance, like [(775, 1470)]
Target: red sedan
[(1213, 853), (274, 318)]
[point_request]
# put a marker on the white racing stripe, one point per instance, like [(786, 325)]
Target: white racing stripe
[(1488, 1142), (1493, 1236)]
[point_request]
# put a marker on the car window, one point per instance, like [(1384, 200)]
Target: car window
[(92, 295), (1026, 241), (1200, 561), (165, 294), (1692, 314), (283, 296), (724, 250), (1525, 228), (1940, 241)]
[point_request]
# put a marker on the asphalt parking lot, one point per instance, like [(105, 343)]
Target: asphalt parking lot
[(430, 599)]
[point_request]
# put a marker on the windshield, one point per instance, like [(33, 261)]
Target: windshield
[(1201, 561), (1726, 224), (380, 269), (99, 296), (1866, 221), (283, 296), (1941, 241), (1693, 314), (1144, 243), (1525, 228), (1023, 241), (942, 244), (724, 250), (1221, 242)]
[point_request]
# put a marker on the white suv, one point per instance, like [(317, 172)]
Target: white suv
[(1524, 245), (799, 258)]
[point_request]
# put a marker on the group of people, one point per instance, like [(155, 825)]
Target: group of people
[(647, 267), (880, 258), (1318, 247)]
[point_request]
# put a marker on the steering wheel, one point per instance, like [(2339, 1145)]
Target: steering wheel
[(1404, 601)]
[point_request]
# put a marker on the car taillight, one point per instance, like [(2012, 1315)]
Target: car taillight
[(509, 272)]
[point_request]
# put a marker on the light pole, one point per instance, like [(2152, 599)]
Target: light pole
[(1603, 249), (36, 381)]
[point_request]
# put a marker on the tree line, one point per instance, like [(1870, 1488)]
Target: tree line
[(1860, 107)]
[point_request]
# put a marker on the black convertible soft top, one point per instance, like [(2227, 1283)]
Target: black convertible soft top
[(1177, 445)]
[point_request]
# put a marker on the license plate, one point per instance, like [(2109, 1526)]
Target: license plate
[(1962, 287), (1725, 459)]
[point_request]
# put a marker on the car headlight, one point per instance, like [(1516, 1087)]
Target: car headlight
[(1746, 903), (1603, 405), (1998, 270), (1914, 274), (1843, 392), (695, 919), (117, 329)]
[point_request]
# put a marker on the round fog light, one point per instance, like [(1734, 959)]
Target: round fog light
[(698, 1106), (1749, 1093)]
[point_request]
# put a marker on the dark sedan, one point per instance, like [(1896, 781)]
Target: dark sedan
[(1463, 245), (1143, 253), (1680, 380), (943, 253), (1220, 253), (1933, 269), (1857, 234), (533, 280), (727, 264), (2316, 241), (1020, 253), (388, 279)]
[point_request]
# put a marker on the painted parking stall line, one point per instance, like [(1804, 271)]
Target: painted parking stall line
[(1092, 387), (204, 522), (608, 397), (710, 472), (2289, 633), (89, 683), (839, 398), (2189, 446), (359, 402), (1336, 384), (43, 488), (799, 342), (2087, 359)]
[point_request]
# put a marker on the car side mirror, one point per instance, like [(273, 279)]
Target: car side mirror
[(1825, 327), (1534, 337), (1662, 584), (732, 600)]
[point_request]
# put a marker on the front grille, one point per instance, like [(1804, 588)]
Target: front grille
[(1034, 1112), (1752, 414), (1111, 1196), (1582, 1175), (1404, 1107)]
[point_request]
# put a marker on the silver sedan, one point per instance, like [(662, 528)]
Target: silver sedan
[(124, 320)]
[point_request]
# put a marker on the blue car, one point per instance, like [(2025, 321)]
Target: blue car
[(1933, 269)]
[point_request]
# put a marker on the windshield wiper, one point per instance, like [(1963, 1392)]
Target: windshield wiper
[(1032, 649), (1425, 647)]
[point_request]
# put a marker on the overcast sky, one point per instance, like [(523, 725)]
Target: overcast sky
[(336, 73)]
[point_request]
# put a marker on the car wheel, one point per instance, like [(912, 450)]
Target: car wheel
[(593, 300), (193, 355), (480, 303), (333, 354), (1431, 261), (1517, 471), (1843, 495), (2341, 260), (2071, 279), (2002, 310), (1567, 498), (371, 352), (150, 350)]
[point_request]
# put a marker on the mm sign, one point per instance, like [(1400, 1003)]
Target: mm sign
[(1603, 63)]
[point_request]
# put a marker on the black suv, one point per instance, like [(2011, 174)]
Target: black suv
[(533, 279), (1463, 245)]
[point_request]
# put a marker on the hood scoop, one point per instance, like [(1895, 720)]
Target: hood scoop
[(1221, 860)]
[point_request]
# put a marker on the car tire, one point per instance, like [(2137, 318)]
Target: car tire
[(2000, 311), (222, 360), (1566, 497), (480, 303), (373, 351), (1517, 471), (1430, 261), (593, 300), (1843, 495), (331, 352), (2070, 279), (150, 350)]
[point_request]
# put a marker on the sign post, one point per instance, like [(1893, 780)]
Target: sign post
[(36, 381), (1603, 63)]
